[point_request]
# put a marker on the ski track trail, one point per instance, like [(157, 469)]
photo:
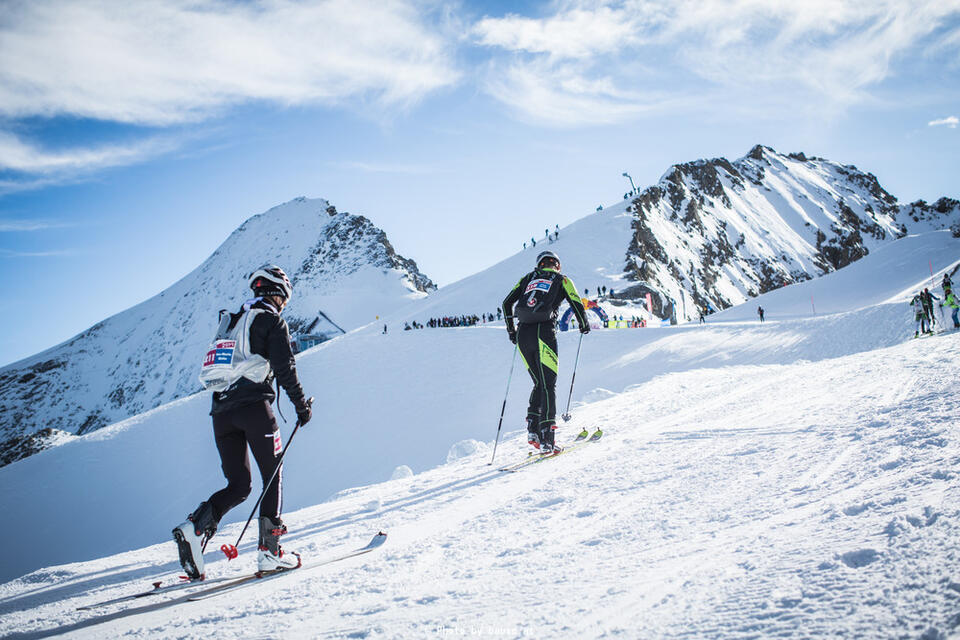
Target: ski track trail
[(815, 499)]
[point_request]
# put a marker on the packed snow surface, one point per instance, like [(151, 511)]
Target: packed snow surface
[(790, 479)]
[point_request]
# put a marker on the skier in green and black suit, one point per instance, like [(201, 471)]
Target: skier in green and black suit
[(537, 297)]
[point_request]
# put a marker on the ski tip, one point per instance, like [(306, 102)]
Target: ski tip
[(378, 540)]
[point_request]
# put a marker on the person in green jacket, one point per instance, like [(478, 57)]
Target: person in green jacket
[(951, 301), (537, 297)]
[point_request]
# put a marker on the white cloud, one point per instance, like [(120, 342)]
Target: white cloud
[(568, 95), (20, 155), (578, 33), (9, 225), (827, 54), (169, 61), (10, 253), (950, 121)]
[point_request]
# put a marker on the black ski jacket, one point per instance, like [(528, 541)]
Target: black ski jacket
[(539, 294), (270, 338)]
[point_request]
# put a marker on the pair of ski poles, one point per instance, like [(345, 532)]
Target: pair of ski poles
[(566, 414)]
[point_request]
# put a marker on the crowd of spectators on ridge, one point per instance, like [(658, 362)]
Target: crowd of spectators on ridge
[(454, 321)]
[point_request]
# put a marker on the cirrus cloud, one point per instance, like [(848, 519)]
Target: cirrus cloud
[(21, 155), (160, 62), (821, 54)]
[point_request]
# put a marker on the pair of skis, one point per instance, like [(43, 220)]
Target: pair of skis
[(582, 439), (223, 585)]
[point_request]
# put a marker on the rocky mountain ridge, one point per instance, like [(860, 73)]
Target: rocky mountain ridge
[(714, 233)]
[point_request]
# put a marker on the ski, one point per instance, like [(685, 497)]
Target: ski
[(158, 588), (254, 578), (580, 443), (534, 457), (583, 438)]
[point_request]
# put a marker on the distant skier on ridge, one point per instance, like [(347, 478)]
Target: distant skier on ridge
[(242, 417), (539, 294)]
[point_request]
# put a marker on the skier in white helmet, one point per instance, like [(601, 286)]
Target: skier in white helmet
[(242, 418)]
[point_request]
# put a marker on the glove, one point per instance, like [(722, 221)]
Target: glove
[(513, 336), (304, 413), (585, 329)]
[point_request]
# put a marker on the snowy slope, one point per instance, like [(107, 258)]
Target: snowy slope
[(341, 265), (405, 398), (793, 479)]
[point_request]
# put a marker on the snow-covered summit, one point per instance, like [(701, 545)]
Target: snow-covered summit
[(344, 272), (713, 233)]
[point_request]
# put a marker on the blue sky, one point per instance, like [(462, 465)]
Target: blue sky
[(134, 137)]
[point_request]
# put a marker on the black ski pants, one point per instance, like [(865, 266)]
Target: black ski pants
[(250, 425), (538, 348)]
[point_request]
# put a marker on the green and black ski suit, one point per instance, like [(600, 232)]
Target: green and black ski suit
[(537, 297)]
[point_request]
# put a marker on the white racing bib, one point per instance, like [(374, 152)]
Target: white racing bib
[(229, 357)]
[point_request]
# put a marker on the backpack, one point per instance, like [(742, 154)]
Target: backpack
[(538, 301), (229, 357)]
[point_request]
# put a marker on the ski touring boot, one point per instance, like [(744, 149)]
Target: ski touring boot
[(534, 441), (533, 436), (190, 538), (548, 444), (271, 556)]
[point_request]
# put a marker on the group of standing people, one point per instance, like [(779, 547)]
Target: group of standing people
[(453, 321), (923, 311)]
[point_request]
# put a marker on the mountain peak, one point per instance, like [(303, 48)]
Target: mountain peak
[(720, 232), (344, 273)]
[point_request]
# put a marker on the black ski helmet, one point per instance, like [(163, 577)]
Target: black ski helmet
[(270, 280), (547, 255)]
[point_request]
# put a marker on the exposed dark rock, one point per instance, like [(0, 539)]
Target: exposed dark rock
[(22, 446)]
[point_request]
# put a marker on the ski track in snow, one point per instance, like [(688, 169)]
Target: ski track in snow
[(794, 479)]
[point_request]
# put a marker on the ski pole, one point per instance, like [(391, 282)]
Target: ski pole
[(566, 415), (504, 407), (230, 550)]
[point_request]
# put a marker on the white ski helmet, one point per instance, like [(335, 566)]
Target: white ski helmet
[(270, 280), (547, 255)]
